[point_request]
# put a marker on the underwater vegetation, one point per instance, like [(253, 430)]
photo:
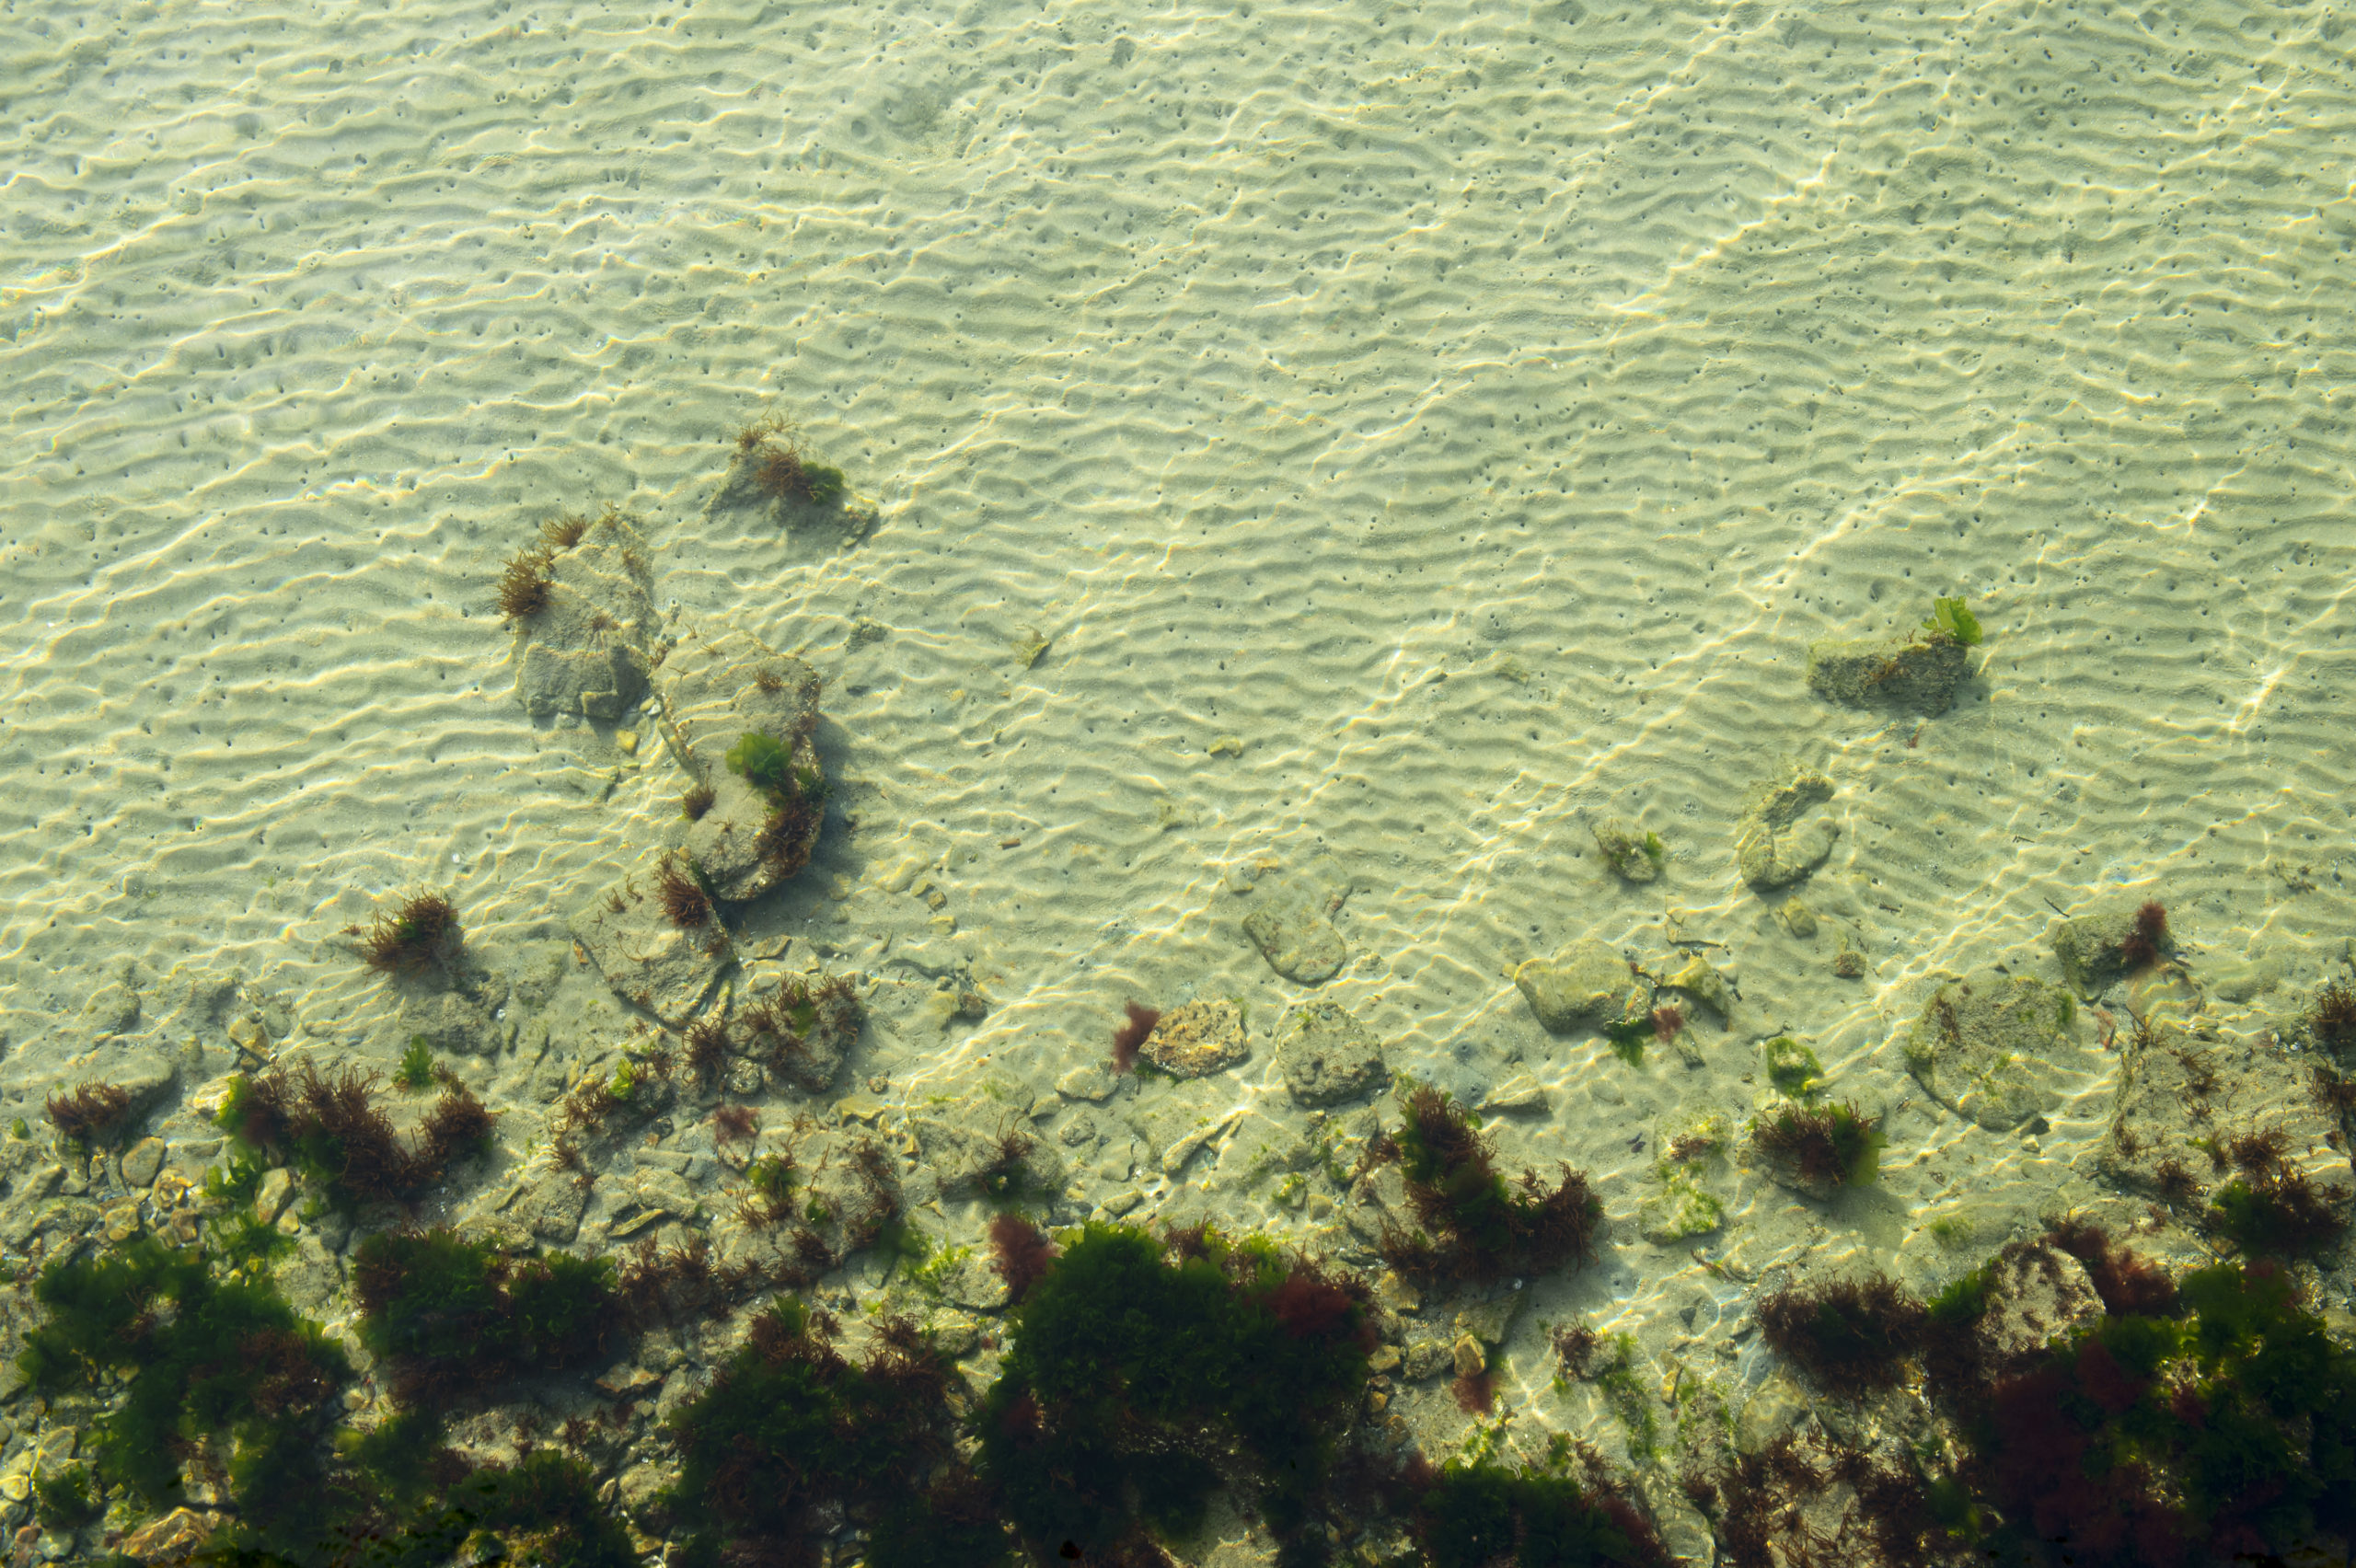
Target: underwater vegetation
[(785, 1030), (94, 1114), (696, 800), (1143, 1374), (2270, 1205), (1949, 619), (1793, 1069), (1472, 1514), (790, 1433), (523, 585), (779, 468), (420, 933), (1130, 1037), (2223, 1426), (1832, 1145), (1485, 1228), (218, 1372), (2147, 940), (1848, 1334), (2333, 1018), (337, 1139), (681, 891), (448, 1317)]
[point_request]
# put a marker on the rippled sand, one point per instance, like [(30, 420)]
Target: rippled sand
[(1415, 432)]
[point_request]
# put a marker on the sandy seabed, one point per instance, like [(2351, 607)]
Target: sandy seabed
[(1416, 432)]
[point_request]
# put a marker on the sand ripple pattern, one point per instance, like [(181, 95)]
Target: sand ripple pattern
[(1471, 411)]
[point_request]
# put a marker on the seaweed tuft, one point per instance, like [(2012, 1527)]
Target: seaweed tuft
[(421, 932)]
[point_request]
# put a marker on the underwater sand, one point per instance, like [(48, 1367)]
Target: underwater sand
[(1467, 414)]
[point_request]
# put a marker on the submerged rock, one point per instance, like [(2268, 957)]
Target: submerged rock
[(1984, 1046), (1198, 1039), (2187, 1095), (1586, 983), (1913, 675), (2090, 946), (589, 650), (752, 834), (1326, 1056), (647, 959), (1287, 924), (1780, 836)]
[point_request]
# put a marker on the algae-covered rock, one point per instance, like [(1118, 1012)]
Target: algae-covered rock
[(1782, 836), (1199, 1039), (991, 1155), (1287, 924), (759, 826), (1916, 675), (1326, 1056), (1586, 983), (1632, 851), (589, 649), (1682, 1206), (1699, 979), (1984, 1047), (665, 968), (2186, 1088)]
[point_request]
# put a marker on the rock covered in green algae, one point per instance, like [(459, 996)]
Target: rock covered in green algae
[(1630, 851), (590, 649), (1586, 983), (715, 690), (1782, 836), (1985, 1047), (1287, 924), (1326, 1056), (1914, 677)]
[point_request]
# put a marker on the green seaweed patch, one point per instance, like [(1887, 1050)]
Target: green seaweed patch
[(1626, 1037), (1949, 619), (1132, 1359), (763, 761), (217, 1370), (1475, 1513), (450, 1319), (789, 1431), (415, 1073)]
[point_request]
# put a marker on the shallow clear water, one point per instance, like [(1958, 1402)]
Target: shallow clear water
[(1372, 444)]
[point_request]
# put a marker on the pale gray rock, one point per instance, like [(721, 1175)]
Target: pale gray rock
[(957, 1156), (112, 1008), (549, 1207), (646, 959), (1326, 1056), (1287, 924), (1586, 983), (1986, 1046), (1782, 836), (716, 689), (589, 652)]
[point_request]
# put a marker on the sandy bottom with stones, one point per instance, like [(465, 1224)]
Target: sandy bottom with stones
[(1318, 463)]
